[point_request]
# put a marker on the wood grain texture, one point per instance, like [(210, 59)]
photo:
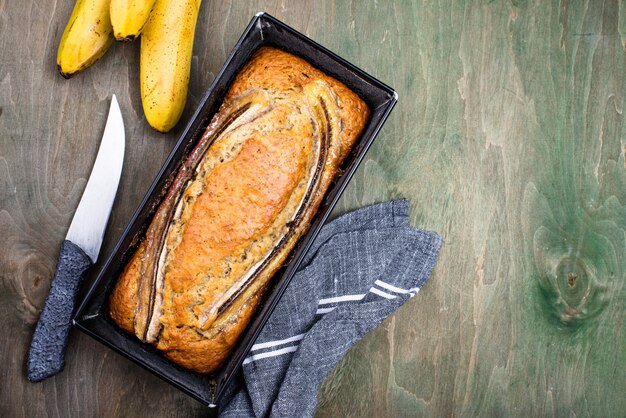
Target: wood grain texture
[(508, 139)]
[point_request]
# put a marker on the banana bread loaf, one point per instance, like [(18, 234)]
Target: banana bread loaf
[(241, 200)]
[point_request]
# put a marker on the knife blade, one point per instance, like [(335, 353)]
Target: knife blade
[(79, 251)]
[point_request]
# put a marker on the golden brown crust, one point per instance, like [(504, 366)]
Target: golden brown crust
[(124, 296), (254, 195), (274, 69)]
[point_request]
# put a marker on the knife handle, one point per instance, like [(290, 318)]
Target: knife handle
[(46, 356)]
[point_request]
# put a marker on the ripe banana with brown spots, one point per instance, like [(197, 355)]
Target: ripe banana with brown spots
[(86, 38), (165, 61), (128, 17)]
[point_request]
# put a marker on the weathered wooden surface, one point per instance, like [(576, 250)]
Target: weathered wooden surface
[(508, 139)]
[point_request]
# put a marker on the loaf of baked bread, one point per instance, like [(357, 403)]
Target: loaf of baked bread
[(241, 200)]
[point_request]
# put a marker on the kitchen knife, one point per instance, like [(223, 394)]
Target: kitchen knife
[(79, 251)]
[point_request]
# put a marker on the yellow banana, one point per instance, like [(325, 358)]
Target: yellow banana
[(165, 61), (86, 38), (128, 17)]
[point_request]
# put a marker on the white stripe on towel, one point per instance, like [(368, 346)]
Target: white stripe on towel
[(350, 298), (381, 293), (343, 298), (277, 342), (324, 310), (391, 287), (274, 353)]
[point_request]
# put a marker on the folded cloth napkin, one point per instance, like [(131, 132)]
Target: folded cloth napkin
[(361, 267)]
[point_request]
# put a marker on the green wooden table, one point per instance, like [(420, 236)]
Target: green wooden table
[(508, 139)]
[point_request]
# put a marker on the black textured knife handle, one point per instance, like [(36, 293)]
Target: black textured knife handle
[(46, 356)]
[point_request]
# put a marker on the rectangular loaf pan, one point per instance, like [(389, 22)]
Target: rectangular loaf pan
[(91, 316)]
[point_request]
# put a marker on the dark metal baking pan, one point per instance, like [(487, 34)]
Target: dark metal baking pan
[(91, 316)]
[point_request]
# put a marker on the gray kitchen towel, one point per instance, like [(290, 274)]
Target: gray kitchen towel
[(361, 268)]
